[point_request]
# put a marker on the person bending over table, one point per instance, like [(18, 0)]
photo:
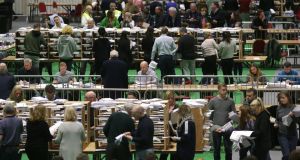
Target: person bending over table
[(288, 75), (50, 92), (16, 94)]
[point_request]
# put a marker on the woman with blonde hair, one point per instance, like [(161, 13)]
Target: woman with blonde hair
[(16, 94), (186, 137), (255, 75), (38, 134), (70, 135), (209, 48), (66, 46), (262, 130)]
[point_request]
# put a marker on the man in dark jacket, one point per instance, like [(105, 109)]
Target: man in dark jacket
[(217, 16), (32, 43), (11, 128), (186, 47), (7, 82), (172, 19), (158, 19), (143, 136), (114, 74), (29, 70), (266, 5), (192, 17), (118, 123)]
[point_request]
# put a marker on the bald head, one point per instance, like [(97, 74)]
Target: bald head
[(89, 9), (144, 67), (90, 96), (138, 112), (3, 68)]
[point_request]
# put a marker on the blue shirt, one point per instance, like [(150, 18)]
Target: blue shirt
[(291, 76)]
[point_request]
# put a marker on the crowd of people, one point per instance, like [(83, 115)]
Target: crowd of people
[(113, 66)]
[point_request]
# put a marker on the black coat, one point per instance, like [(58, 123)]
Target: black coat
[(170, 23), (219, 16), (124, 50), (262, 133), (114, 74), (186, 47), (186, 145), (7, 83), (147, 44), (32, 71), (117, 124), (266, 5), (38, 135), (143, 136)]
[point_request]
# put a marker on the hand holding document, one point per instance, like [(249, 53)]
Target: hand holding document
[(118, 139), (53, 129), (287, 120)]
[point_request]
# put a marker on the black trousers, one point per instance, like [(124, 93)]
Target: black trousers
[(166, 66), (210, 65), (238, 68), (117, 152), (37, 154), (83, 67), (227, 66), (9, 153)]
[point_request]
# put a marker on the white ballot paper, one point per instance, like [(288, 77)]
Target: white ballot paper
[(118, 139), (296, 111), (287, 120), (227, 126), (241, 139), (54, 128)]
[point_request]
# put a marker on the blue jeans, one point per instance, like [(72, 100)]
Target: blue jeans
[(217, 139), (287, 144)]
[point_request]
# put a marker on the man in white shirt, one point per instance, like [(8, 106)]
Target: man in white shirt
[(165, 47), (146, 75), (90, 24), (58, 24)]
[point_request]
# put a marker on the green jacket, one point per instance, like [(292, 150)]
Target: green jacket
[(32, 43), (66, 47), (104, 23)]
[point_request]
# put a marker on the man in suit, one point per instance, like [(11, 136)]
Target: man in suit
[(7, 82), (217, 16), (28, 70), (114, 75)]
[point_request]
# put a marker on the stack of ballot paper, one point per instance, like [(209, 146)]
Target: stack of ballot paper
[(194, 103), (39, 99), (103, 103), (296, 111), (55, 127), (287, 120), (241, 138), (276, 85), (227, 126)]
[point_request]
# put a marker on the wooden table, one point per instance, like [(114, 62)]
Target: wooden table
[(283, 42), (252, 59)]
